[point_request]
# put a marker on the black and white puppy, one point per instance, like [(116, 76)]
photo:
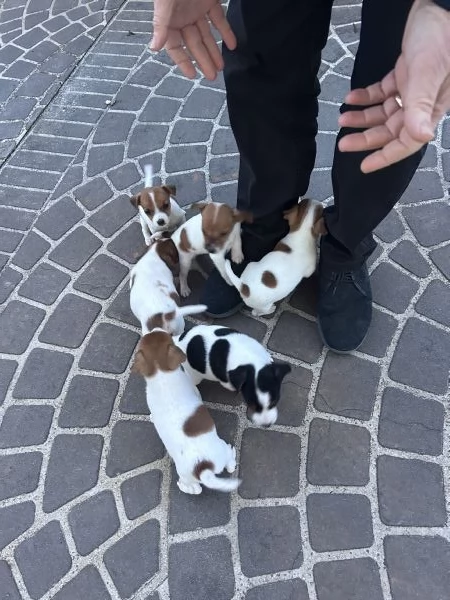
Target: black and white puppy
[(238, 363)]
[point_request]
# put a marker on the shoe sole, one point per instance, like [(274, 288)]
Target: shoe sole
[(226, 314), (322, 337)]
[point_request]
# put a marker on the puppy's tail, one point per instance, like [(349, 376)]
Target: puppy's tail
[(148, 174), (233, 278), (191, 309), (222, 484)]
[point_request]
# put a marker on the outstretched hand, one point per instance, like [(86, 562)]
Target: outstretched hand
[(406, 106), (183, 28)]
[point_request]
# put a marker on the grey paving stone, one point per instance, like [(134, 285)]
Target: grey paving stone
[(15, 219), (294, 397), (30, 39), (428, 222), (109, 349), (387, 278), (36, 85), (281, 590), (408, 256), (269, 451), (70, 322), (142, 141), (325, 149), (142, 493), (224, 169), (410, 492), (32, 250), (15, 520), (441, 258), (191, 187), (22, 198), (72, 468), (120, 308), (434, 302), (19, 474), (160, 110), (9, 54), (101, 159), (188, 132), (112, 216), (59, 63), (334, 87), (18, 324), (41, 51), (130, 97), (44, 284), (338, 454), (25, 426), (351, 579), (21, 69), (133, 444), (55, 144), (133, 399), (289, 330), (410, 423), (226, 193), (185, 158), (339, 522), (76, 249), (427, 346), (134, 559), (128, 245), (269, 540), (7, 370), (174, 87), (188, 582), (59, 218), (114, 127), (43, 374), (203, 103), (7, 89), (149, 74), (86, 584), (417, 567), (88, 402), (124, 176), (101, 277), (446, 133), (391, 228), (43, 559), (94, 521), (430, 158), (18, 108), (63, 36), (7, 582), (347, 386), (12, 130), (93, 193), (305, 296), (446, 165), (380, 334), (244, 324), (425, 185), (224, 142)]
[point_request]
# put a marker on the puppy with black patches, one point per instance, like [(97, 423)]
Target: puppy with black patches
[(153, 296), (181, 419), (215, 231), (238, 363)]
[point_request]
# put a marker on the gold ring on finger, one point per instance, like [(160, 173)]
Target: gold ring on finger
[(399, 101)]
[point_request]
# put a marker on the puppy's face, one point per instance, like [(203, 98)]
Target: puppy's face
[(218, 221), (157, 352), (155, 202)]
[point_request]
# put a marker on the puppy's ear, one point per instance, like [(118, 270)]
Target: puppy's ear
[(238, 376), (241, 216), (319, 227), (167, 251), (295, 215), (200, 206), (280, 370), (170, 189), (140, 364), (136, 200), (175, 357)]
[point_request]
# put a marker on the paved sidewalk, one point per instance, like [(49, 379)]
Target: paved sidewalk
[(347, 497)]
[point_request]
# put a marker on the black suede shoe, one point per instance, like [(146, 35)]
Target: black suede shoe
[(344, 308)]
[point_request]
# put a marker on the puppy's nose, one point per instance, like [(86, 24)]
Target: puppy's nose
[(161, 222), (210, 248)]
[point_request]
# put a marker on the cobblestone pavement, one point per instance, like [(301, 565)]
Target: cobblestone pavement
[(347, 497)]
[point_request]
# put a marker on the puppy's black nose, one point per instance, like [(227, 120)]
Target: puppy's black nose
[(161, 222), (211, 249)]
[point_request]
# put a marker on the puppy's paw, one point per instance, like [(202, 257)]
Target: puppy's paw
[(190, 488), (148, 240), (237, 256), (231, 465), (185, 290)]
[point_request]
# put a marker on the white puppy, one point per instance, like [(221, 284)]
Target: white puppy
[(158, 209), (238, 363), (181, 419), (215, 231), (153, 296), (277, 274)]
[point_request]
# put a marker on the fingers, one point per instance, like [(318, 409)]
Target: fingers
[(219, 20), (210, 43), (183, 61), (370, 117), (419, 100), (199, 51), (392, 153), (373, 138), (376, 93), (159, 39)]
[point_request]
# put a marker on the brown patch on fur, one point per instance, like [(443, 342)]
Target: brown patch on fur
[(203, 465), (175, 297), (319, 227), (155, 321), (156, 351), (296, 214), (161, 199), (198, 423), (169, 316), (282, 247), (218, 221), (245, 290), (269, 279), (167, 251), (185, 244)]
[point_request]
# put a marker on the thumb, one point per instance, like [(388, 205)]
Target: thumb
[(419, 102), (160, 35)]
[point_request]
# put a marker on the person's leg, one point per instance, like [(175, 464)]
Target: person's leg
[(361, 201), (272, 88)]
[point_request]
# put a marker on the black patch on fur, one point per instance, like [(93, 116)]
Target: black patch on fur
[(183, 335), (269, 380), (224, 331), (243, 379), (218, 359), (196, 354)]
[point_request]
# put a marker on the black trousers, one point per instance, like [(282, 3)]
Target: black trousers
[(272, 89)]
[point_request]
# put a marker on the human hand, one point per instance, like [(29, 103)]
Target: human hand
[(183, 28), (406, 106)]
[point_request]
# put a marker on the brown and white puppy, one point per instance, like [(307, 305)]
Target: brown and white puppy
[(153, 296), (277, 274), (181, 419), (215, 231)]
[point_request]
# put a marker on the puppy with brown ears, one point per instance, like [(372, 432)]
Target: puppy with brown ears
[(215, 231), (277, 274), (181, 419), (153, 296)]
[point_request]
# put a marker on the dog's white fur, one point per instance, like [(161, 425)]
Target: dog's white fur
[(287, 268), (152, 292), (172, 399), (200, 243)]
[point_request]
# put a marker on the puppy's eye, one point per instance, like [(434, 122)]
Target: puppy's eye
[(147, 211), (224, 234), (166, 205)]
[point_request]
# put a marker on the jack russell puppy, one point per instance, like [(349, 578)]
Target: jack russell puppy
[(153, 296), (215, 231), (238, 363), (158, 209), (277, 274), (181, 419)]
